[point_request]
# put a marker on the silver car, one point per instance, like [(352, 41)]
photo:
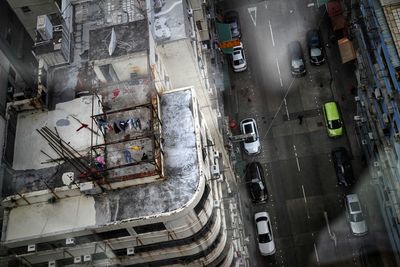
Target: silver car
[(265, 237), (239, 59), (251, 144), (358, 225)]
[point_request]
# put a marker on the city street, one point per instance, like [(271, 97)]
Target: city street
[(305, 203)]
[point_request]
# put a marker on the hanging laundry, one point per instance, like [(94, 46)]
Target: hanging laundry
[(122, 125), (137, 148), (115, 92), (128, 156), (117, 130), (102, 124)]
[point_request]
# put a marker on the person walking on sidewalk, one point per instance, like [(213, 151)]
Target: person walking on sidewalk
[(300, 118)]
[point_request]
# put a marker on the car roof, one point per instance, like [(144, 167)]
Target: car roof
[(354, 203), (331, 110)]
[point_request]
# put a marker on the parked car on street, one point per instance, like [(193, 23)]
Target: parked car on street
[(255, 181), (342, 164), (251, 144), (333, 122), (265, 237), (297, 64), (315, 47), (358, 225), (232, 18), (238, 59)]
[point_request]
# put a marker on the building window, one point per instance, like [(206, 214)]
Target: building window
[(149, 228), (25, 9), (198, 24), (200, 205), (113, 234)]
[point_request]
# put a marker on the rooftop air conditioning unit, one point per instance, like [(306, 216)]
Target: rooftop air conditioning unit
[(130, 251), (70, 241), (87, 258), (357, 118), (357, 98), (77, 259), (216, 203), (44, 27), (32, 248), (89, 188), (190, 12), (215, 170), (52, 264), (378, 94), (371, 135), (216, 154)]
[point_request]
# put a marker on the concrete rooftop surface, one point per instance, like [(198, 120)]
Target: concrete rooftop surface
[(130, 37), (169, 21), (174, 192)]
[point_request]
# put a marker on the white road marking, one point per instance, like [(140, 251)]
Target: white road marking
[(310, 4), (251, 10), (316, 253), (272, 34), (287, 111), (266, 5), (304, 194), (297, 160), (279, 71)]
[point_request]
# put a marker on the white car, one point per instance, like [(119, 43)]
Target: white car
[(265, 236), (238, 59), (358, 225), (251, 144)]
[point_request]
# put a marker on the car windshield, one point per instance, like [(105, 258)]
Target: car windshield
[(315, 52), (297, 63), (265, 238), (250, 139), (238, 61), (335, 124), (357, 217)]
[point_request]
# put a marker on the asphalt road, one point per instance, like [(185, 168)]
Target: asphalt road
[(305, 201)]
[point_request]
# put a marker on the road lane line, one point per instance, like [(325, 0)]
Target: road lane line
[(287, 111), (279, 71), (316, 253), (298, 165), (304, 194), (272, 34)]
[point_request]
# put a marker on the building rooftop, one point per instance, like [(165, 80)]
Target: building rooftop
[(169, 20), (130, 37), (78, 211)]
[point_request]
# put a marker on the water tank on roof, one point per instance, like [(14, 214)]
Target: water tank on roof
[(44, 27)]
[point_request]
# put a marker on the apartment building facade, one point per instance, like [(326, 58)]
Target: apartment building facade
[(375, 31)]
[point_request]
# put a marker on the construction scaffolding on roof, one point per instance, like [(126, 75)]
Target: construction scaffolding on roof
[(132, 147)]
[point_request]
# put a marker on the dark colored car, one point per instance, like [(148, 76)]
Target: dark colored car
[(342, 164), (256, 182), (232, 18), (297, 65), (315, 47)]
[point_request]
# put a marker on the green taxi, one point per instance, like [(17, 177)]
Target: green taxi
[(333, 122)]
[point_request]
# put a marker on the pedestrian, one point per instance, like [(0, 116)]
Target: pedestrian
[(300, 118), (353, 90)]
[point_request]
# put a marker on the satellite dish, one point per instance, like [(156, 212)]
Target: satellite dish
[(67, 178), (113, 43)]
